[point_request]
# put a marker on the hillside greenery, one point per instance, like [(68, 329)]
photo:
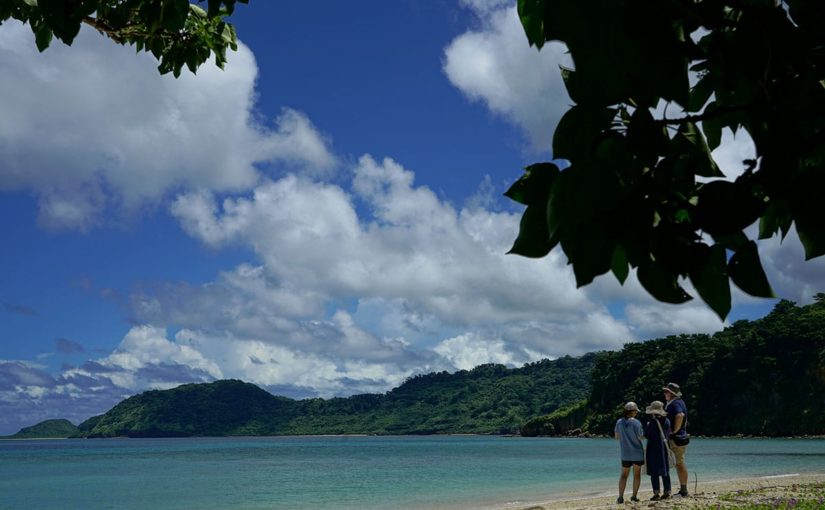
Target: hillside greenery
[(48, 429), (488, 399), (764, 377)]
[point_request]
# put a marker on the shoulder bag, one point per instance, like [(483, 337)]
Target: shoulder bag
[(671, 457)]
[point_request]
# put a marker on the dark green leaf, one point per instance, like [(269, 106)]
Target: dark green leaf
[(534, 238), (598, 189), (578, 131), (561, 210), (175, 13), (619, 264), (590, 250), (42, 35), (700, 93), (531, 14), (571, 83), (733, 241), (808, 209), (690, 144), (710, 277), (534, 186), (645, 137), (661, 283), (813, 240), (777, 217), (214, 7), (655, 39), (712, 126), (746, 271), (726, 207), (65, 25)]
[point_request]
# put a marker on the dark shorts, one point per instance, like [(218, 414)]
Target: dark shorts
[(628, 463)]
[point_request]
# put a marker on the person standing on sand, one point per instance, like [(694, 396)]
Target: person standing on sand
[(628, 432), (679, 439), (657, 432)]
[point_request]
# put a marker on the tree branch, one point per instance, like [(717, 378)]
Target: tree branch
[(104, 29)]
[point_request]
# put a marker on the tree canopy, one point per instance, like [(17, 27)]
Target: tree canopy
[(763, 378), (642, 189), (176, 32), (488, 399)]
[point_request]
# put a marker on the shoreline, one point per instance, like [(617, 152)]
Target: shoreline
[(726, 493)]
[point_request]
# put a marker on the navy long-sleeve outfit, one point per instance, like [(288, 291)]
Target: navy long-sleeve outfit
[(656, 460)]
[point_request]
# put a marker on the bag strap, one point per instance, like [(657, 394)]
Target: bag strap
[(662, 435)]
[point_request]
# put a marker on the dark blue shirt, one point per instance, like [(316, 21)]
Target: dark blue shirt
[(673, 408)]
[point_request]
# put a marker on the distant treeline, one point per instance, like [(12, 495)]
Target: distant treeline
[(490, 399), (764, 378)]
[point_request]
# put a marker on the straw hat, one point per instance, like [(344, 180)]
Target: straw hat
[(656, 408)]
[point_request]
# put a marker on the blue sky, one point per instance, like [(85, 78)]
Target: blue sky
[(323, 217)]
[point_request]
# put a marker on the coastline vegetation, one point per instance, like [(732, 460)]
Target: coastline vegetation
[(756, 378), (489, 399)]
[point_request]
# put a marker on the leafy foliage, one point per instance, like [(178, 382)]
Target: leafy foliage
[(764, 377), (176, 32), (487, 399), (644, 192)]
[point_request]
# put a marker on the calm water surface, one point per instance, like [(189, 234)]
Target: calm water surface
[(348, 473)]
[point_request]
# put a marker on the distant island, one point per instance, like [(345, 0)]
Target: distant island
[(762, 378), (49, 429)]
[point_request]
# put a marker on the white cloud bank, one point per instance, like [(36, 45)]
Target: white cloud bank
[(95, 126)]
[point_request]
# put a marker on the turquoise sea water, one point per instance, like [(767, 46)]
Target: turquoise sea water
[(370, 473)]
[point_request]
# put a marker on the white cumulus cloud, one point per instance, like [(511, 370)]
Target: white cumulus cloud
[(95, 126), (495, 65)]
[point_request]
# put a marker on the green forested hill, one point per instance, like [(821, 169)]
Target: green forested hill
[(222, 408), (764, 377), (48, 429), (487, 399)]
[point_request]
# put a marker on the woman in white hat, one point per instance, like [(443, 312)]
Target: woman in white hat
[(628, 431), (657, 432)]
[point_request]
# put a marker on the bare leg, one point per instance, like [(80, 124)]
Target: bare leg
[(681, 470), (623, 480), (637, 479)]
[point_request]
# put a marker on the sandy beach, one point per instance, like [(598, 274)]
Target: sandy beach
[(735, 493)]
